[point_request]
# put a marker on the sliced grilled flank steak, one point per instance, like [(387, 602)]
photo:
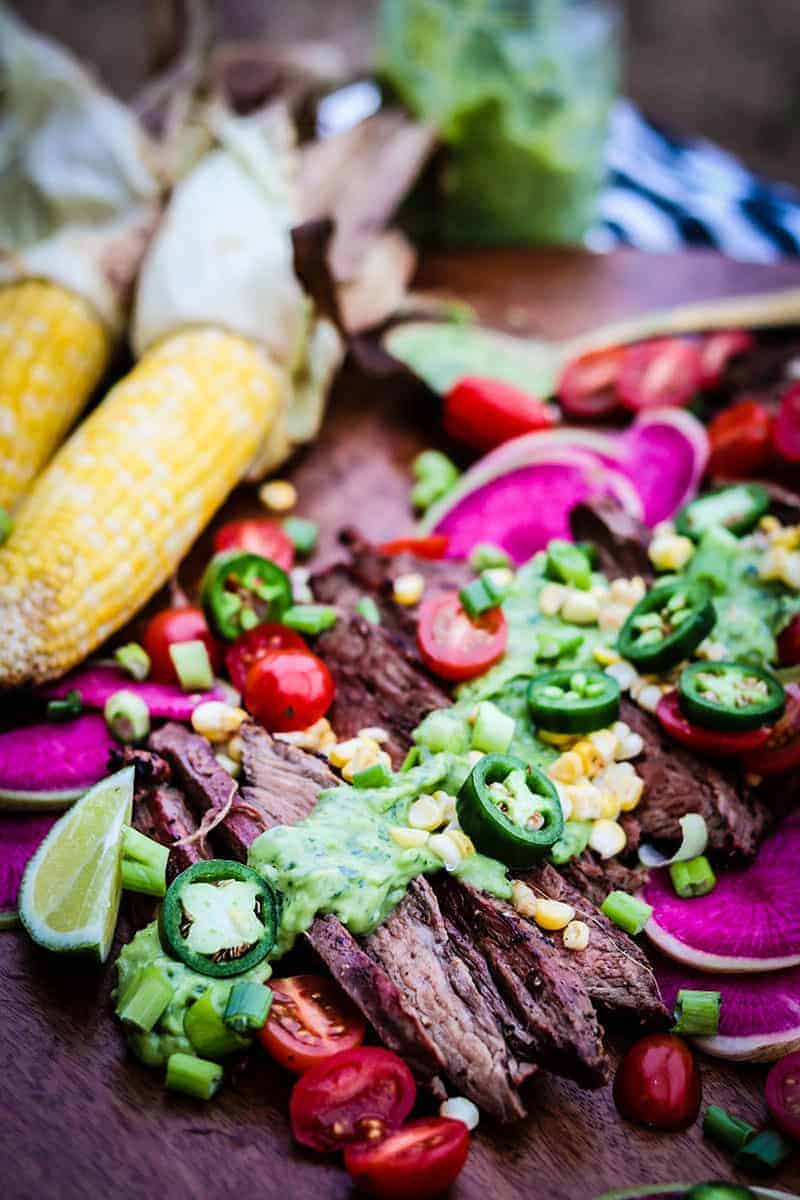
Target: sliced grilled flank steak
[(620, 539), (159, 810), (594, 877)]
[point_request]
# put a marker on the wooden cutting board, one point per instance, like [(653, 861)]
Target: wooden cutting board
[(82, 1120)]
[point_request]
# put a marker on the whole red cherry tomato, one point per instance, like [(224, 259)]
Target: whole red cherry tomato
[(789, 643), (288, 689), (254, 644), (485, 412), (658, 1084), (786, 431), (311, 1019), (588, 385), (453, 644), (662, 372), (741, 439), (783, 1095), (259, 535), (167, 628), (718, 349), (417, 1162)]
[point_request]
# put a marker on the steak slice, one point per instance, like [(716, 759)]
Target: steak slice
[(620, 539), (159, 810), (594, 877), (280, 784)]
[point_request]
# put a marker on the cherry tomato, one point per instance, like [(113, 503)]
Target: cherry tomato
[(416, 1162), (167, 628), (587, 387), (355, 1096), (311, 1019), (789, 644), (707, 741), (658, 1084), (665, 371), (485, 412), (782, 751), (783, 1094), (718, 349), (254, 644), (740, 439), (259, 535), (786, 430), (455, 645), (288, 689), (434, 546)]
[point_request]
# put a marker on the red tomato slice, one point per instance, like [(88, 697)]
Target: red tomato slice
[(789, 644), (707, 741), (288, 689), (485, 412), (418, 1161), (783, 1094), (311, 1019), (259, 535), (658, 1084), (740, 439), (434, 546), (786, 431), (455, 645), (587, 387), (355, 1096), (718, 349), (659, 373), (167, 628), (254, 644), (782, 751)]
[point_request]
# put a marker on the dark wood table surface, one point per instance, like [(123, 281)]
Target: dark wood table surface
[(80, 1119)]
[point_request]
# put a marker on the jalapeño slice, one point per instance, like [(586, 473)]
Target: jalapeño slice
[(666, 626), (511, 811), (573, 701), (219, 918), (737, 508), (730, 695), (240, 590)]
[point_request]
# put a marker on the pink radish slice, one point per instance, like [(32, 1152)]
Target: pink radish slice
[(96, 682), (664, 454), (20, 836), (759, 1016), (49, 765), (751, 920)]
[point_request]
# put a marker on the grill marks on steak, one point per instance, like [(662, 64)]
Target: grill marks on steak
[(594, 877), (620, 539)]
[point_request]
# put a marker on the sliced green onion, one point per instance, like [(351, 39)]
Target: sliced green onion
[(730, 1133), (694, 839), (762, 1153), (435, 475), (486, 555), (205, 1027), (248, 1006), (6, 525), (192, 664), (626, 911), (493, 729), (376, 776), (572, 842), (193, 1076), (368, 609), (302, 533), (146, 999), (477, 598), (127, 716), (309, 618), (692, 878), (697, 1013), (567, 563), (441, 732), (494, 590), (144, 863), (65, 709), (412, 759), (134, 659)]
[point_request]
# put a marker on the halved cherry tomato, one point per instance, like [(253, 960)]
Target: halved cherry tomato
[(311, 1019), (740, 439), (665, 371), (455, 645), (789, 644), (416, 1162), (434, 546), (718, 349), (259, 535), (485, 412), (707, 741), (783, 1094), (356, 1096), (786, 430), (658, 1084), (587, 387), (288, 689), (254, 644), (782, 751), (167, 628)]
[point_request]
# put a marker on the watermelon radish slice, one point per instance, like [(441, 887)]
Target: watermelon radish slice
[(665, 453), (97, 681), (20, 836), (47, 766), (751, 920), (759, 1017)]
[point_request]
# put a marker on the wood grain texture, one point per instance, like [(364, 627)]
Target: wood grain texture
[(80, 1119)]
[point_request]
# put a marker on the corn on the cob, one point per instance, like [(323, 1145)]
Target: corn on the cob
[(53, 351), (127, 495)]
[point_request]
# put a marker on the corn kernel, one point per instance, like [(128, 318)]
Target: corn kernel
[(551, 597), (409, 839), (318, 736), (712, 651), (788, 536), (773, 563), (670, 552), (228, 764), (607, 838), (769, 524), (235, 748), (631, 746), (610, 807), (620, 729), (215, 720), (448, 805), (791, 572), (581, 608), (631, 793), (649, 697), (628, 591), (501, 577), (605, 656), (299, 578), (612, 617), (474, 757), (459, 1108), (376, 732), (367, 754), (408, 589), (425, 813), (664, 529), (443, 846), (278, 495), (524, 899), (605, 742), (591, 759), (586, 800), (553, 914), (340, 754), (576, 935), (568, 768), (563, 799), (555, 739), (462, 842)]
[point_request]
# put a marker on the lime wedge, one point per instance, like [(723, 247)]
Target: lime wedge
[(69, 895)]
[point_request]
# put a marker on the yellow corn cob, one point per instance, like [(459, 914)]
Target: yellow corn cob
[(110, 518), (53, 351)]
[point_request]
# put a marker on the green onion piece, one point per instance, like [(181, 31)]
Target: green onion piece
[(730, 1133), (65, 709), (248, 1006), (192, 664), (368, 609), (476, 598), (441, 732), (693, 877), (145, 1001), (205, 1027), (493, 729), (376, 776), (713, 559), (412, 759), (626, 911), (435, 475), (494, 590), (763, 1153), (136, 877), (309, 618), (144, 863), (193, 1076), (697, 1013), (134, 659), (127, 716), (6, 525), (486, 555), (572, 842), (302, 533), (566, 563)]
